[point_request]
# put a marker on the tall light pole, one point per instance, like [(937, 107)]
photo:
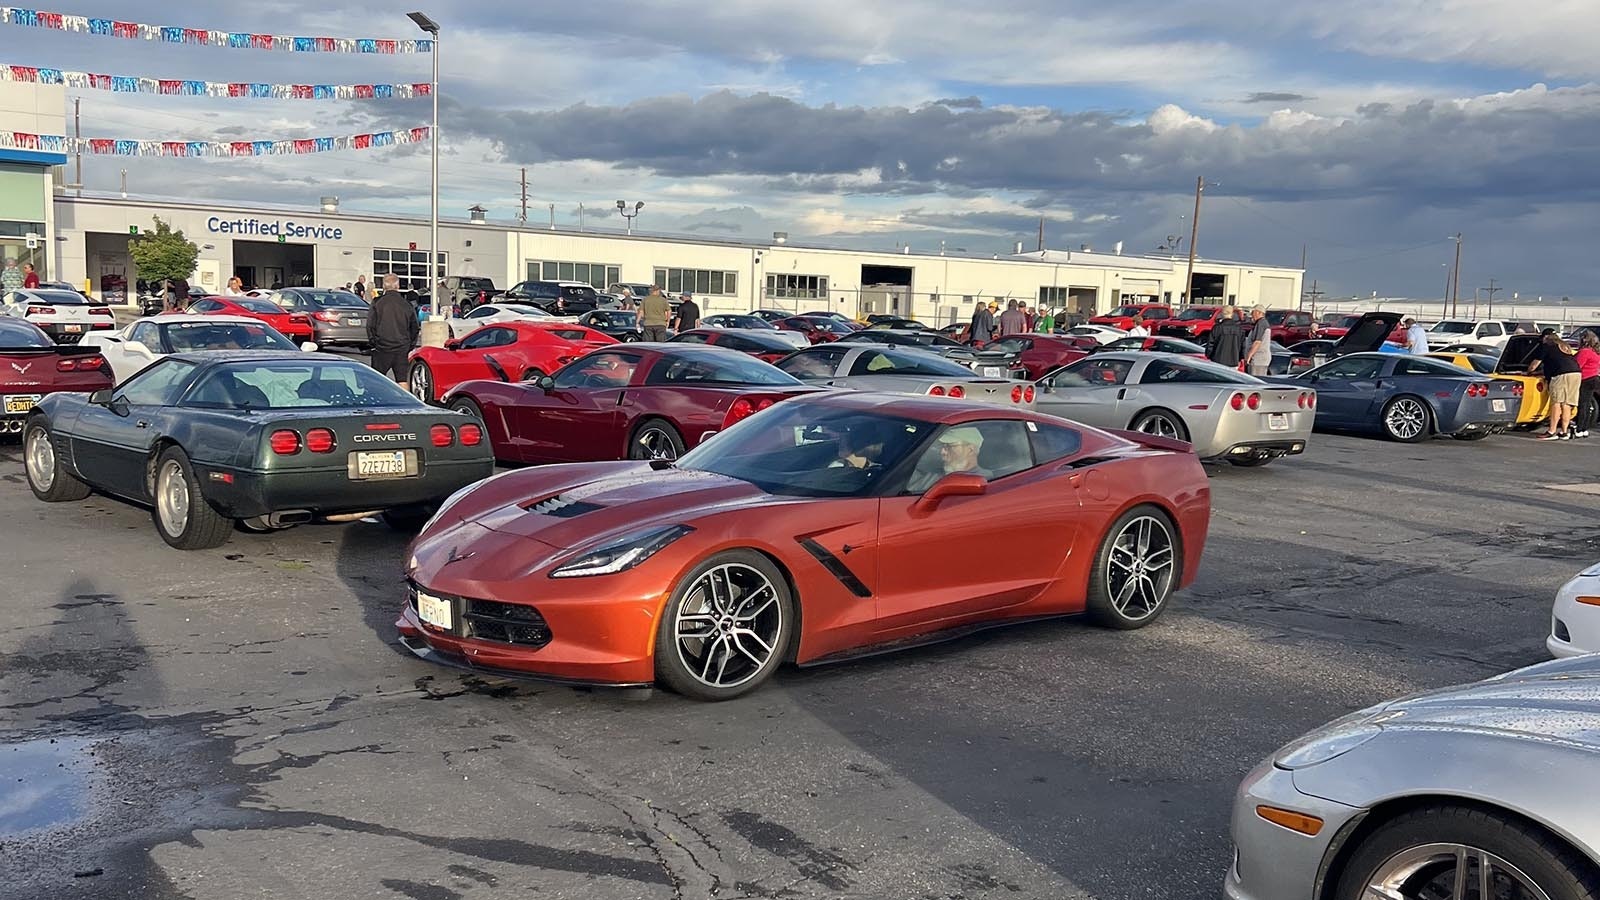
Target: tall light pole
[(1455, 281), (1194, 235), (622, 207), (431, 27)]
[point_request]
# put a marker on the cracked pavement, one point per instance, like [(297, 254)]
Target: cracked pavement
[(239, 722)]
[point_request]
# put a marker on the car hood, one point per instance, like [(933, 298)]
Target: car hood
[(1554, 702), (1367, 334)]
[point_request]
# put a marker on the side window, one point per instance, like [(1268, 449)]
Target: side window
[(1053, 442), (158, 385), (812, 364), (691, 337), (599, 370), (147, 334), (741, 344), (1490, 329), (1157, 314), (599, 320), (992, 449), (205, 306), (488, 337), (1093, 372), (1161, 371), (871, 362), (482, 312), (1426, 367), (1352, 367)]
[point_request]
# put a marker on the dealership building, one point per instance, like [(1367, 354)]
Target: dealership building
[(269, 246)]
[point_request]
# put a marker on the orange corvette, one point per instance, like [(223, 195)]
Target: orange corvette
[(828, 526)]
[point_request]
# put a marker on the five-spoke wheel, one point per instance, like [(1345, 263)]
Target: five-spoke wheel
[(727, 627)]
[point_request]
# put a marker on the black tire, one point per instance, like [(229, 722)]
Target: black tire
[(1475, 435), (47, 478), (533, 374), (777, 621), (1147, 419), (658, 434), (407, 519), (1550, 864), (420, 379), (1108, 603), (1252, 462), (1390, 432), (202, 527), (631, 337)]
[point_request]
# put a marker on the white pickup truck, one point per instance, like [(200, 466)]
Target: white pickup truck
[(1487, 332)]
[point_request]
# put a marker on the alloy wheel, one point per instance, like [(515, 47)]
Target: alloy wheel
[(1159, 425), (728, 625), (1140, 568), (1450, 872), (657, 444), (1406, 418), (172, 498), (421, 384), (41, 459)]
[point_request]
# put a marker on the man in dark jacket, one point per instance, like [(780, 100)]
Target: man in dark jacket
[(981, 331), (688, 313), (392, 329), (1226, 345)]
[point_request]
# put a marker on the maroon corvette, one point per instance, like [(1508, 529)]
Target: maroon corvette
[(32, 365), (633, 401)]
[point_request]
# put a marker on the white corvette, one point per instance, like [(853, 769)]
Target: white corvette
[(149, 339), (1575, 620), (64, 315), (1102, 334), (494, 313)]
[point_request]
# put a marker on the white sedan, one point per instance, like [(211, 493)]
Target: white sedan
[(1102, 334), (64, 315), (1575, 620), (495, 313), (149, 339)]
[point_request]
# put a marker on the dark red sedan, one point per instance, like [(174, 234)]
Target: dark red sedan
[(766, 347), (32, 365), (633, 401), (1040, 354), (817, 329), (294, 326)]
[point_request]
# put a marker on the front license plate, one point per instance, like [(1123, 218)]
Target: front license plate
[(72, 329), (380, 463), (20, 403), (435, 611), (1278, 421), (993, 372), (352, 321), (1498, 405)]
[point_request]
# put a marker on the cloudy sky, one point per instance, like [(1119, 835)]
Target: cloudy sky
[(1366, 131)]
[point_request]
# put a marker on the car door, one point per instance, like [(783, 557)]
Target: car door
[(579, 418), (111, 444), (139, 349), (1346, 389), (1087, 391), (971, 556), (473, 358)]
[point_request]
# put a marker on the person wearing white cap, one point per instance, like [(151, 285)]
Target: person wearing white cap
[(958, 450)]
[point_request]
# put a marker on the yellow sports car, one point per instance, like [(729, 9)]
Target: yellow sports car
[(1511, 365)]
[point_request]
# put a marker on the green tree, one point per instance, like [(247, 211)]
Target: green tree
[(163, 253)]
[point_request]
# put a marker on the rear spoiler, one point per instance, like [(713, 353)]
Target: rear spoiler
[(57, 350), (1154, 442)]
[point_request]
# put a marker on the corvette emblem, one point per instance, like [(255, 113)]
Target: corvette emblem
[(456, 557), (22, 368)]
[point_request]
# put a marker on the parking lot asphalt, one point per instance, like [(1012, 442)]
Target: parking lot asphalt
[(240, 722)]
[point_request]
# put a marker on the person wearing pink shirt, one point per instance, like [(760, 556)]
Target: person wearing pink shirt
[(1589, 388)]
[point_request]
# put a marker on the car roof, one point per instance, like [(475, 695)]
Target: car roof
[(223, 357), (938, 410), (182, 318)]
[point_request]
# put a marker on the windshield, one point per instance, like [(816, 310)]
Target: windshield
[(265, 307), (1195, 314), (799, 449), (1451, 328), (718, 367), (1124, 311), (1276, 317), (331, 299), (56, 298), (185, 336), (291, 384)]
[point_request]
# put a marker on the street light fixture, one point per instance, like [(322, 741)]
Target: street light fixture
[(622, 207), (432, 28)]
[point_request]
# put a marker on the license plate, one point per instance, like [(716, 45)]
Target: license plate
[(353, 321), (371, 463), (435, 611), (72, 329), (993, 372), (1499, 405), (20, 403), (1278, 421)]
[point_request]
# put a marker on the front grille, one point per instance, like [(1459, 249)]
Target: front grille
[(506, 623)]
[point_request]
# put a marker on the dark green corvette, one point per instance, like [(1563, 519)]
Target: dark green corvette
[(264, 439)]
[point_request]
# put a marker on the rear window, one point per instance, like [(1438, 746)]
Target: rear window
[(57, 298), (570, 334), (297, 385), (16, 335), (331, 299), (718, 368), (907, 362), (185, 336), (258, 306)]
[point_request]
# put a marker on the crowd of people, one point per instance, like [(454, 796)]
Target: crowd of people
[(988, 323)]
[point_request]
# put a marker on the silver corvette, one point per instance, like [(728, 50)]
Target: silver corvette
[(901, 370), (1480, 792), (1224, 414)]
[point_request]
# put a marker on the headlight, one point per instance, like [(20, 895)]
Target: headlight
[(1591, 571), (1318, 750), (623, 553)]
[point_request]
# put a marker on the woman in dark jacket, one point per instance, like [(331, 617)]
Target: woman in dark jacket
[(1225, 347)]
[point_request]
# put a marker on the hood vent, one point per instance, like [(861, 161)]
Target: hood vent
[(563, 507)]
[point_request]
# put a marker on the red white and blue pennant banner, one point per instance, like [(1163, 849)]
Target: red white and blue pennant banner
[(128, 84), (238, 40), (55, 143)]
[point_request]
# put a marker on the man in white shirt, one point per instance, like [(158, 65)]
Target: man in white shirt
[(1416, 337), (1138, 329)]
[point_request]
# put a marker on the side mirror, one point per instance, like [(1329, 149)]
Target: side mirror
[(452, 344), (958, 484), (546, 383), (1047, 386), (102, 397), (309, 346)]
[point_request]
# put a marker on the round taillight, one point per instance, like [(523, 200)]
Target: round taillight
[(1237, 401), (1027, 394), (1311, 401), (765, 402), (1540, 386), (1254, 402), (957, 391), (443, 435), (1016, 393), (741, 409), (319, 440), (936, 391), (285, 442), (471, 435)]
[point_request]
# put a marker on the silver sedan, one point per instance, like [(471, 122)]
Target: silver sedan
[(901, 370), (1481, 792), (1226, 415)]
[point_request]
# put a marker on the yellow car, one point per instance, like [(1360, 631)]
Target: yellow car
[(1535, 393)]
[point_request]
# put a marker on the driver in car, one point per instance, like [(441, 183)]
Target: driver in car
[(859, 450), (958, 451)]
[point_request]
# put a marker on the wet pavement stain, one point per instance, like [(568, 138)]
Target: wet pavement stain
[(44, 783)]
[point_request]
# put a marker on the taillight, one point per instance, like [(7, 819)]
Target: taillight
[(957, 391), (1027, 394), (1539, 385), (40, 311), (1477, 390), (319, 440), (741, 409), (1237, 401), (66, 365), (1516, 389), (471, 435), (285, 442), (1254, 402), (1300, 401), (1311, 400), (1016, 393), (765, 402), (100, 311), (325, 316), (443, 435), (936, 391)]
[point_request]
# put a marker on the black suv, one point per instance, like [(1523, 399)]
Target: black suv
[(622, 324), (562, 298)]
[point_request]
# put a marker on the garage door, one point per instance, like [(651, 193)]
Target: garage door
[(1140, 287), (1277, 292)]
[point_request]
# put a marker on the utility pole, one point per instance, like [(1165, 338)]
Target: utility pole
[(580, 217), (1315, 295), (524, 216), (1455, 280), (552, 217), (1492, 289), (1041, 234), (1194, 235)]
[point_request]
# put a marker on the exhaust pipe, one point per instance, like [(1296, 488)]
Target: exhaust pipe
[(288, 518), (352, 517), (13, 426)]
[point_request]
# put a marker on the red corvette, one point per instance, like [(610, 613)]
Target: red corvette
[(765, 347), (32, 365), (295, 326), (507, 351), (824, 528), (817, 329), (634, 401), (1040, 354)]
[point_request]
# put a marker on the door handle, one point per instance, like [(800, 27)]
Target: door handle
[(142, 423)]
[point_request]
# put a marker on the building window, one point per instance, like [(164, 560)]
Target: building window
[(697, 281), (1054, 297), (596, 275), (410, 266), (801, 287)]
